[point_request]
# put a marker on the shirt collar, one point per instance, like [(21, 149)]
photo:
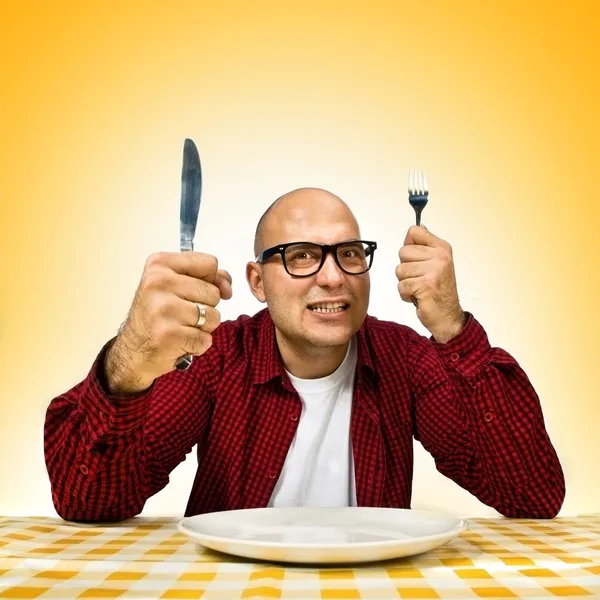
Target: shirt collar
[(266, 364)]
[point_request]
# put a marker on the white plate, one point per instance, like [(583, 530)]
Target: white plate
[(322, 535)]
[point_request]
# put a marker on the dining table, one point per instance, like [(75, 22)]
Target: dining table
[(149, 557)]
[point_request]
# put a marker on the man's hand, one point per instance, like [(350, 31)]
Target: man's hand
[(426, 278), (161, 324)]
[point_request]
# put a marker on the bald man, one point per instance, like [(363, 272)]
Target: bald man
[(311, 401)]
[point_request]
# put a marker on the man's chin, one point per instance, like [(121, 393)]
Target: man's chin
[(336, 336), (323, 330)]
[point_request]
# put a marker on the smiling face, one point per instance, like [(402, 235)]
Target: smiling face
[(324, 309)]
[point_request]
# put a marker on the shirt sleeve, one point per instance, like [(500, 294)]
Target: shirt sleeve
[(106, 455), (478, 415)]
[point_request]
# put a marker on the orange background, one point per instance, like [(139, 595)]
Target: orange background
[(498, 102)]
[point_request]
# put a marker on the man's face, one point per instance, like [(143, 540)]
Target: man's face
[(293, 302)]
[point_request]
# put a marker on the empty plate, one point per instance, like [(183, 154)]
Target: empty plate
[(322, 535)]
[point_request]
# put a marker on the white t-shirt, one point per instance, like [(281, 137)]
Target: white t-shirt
[(319, 468)]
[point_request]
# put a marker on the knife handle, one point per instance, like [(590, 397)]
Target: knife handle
[(184, 362)]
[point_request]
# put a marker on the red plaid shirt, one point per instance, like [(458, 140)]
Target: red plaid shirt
[(470, 405)]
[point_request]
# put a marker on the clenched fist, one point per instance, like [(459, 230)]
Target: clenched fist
[(426, 278), (161, 324)]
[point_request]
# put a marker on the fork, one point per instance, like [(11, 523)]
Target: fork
[(418, 192)]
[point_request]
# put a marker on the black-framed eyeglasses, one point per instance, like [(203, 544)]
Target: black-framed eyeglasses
[(303, 259)]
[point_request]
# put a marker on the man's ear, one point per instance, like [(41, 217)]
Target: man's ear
[(254, 276)]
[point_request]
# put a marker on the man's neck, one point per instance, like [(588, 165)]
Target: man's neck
[(310, 363)]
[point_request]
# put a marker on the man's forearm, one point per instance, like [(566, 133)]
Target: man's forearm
[(122, 376), (479, 416)]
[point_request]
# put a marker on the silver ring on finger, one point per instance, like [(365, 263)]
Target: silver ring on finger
[(201, 314)]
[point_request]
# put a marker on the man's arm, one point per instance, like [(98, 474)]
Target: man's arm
[(475, 409), (107, 454), (111, 441), (477, 413)]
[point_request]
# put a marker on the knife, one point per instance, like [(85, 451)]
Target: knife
[(191, 189)]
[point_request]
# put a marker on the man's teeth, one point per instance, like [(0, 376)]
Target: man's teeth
[(328, 307)]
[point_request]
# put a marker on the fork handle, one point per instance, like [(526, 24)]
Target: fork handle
[(418, 210)]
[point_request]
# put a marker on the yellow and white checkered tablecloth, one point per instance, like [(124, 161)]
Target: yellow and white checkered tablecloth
[(148, 558)]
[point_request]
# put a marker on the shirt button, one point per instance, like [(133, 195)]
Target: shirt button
[(488, 417), (83, 469), (294, 418), (454, 356), (272, 474)]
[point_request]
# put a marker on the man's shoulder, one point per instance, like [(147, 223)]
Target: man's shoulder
[(243, 327), (386, 344), (374, 326), (385, 338)]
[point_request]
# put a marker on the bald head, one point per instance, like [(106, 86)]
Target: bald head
[(301, 206)]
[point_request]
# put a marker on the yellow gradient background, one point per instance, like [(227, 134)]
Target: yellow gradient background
[(497, 102)]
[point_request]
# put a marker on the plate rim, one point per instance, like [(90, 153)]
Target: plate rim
[(461, 526)]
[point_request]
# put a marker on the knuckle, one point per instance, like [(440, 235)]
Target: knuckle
[(163, 334), (208, 340), (225, 274), (209, 261), (196, 341), (403, 272), (215, 295), (156, 259), (202, 342), (430, 279), (446, 256), (210, 294), (188, 343), (404, 295), (154, 279), (214, 321), (157, 307)]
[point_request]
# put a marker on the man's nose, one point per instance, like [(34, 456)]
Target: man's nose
[(330, 274)]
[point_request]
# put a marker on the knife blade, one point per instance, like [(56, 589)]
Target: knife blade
[(191, 191)]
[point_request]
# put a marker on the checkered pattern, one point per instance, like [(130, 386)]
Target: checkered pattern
[(470, 405), (148, 558)]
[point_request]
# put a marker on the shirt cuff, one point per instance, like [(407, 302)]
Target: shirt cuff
[(106, 414), (467, 352)]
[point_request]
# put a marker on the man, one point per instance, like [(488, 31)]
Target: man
[(310, 402)]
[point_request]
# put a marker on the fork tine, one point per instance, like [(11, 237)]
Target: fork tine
[(417, 183)]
